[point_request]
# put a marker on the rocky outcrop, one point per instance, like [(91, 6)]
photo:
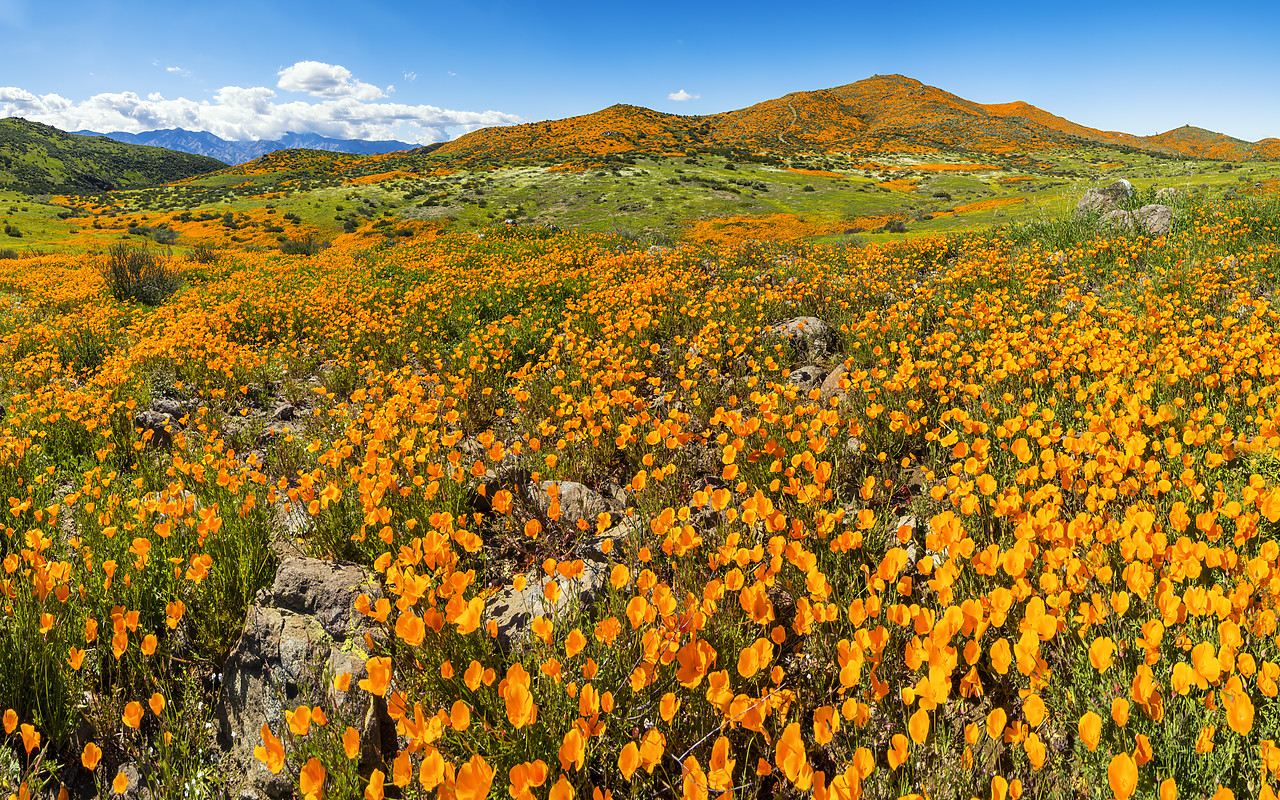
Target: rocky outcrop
[(805, 334), (1156, 220), (806, 378), (297, 637), (1098, 201)]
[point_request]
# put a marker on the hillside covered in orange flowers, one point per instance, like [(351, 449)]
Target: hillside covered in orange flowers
[(882, 114)]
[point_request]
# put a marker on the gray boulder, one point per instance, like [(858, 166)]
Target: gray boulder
[(162, 426), (576, 501), (831, 386), (805, 334), (513, 611), (1156, 220), (302, 632), (1097, 201), (806, 378), (1117, 218)]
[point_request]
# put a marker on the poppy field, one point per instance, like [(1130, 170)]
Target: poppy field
[(1017, 538)]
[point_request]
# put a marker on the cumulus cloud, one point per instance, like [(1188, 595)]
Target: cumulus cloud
[(682, 96), (252, 113), (319, 79)]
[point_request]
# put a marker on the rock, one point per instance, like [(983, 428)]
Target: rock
[(1156, 220), (806, 334), (1097, 201), (284, 412), (514, 611), (161, 425), (1116, 218), (1092, 202), (1119, 191), (167, 405), (576, 501), (296, 635), (807, 377), (831, 386)]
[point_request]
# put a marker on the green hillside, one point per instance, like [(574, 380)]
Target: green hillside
[(40, 159)]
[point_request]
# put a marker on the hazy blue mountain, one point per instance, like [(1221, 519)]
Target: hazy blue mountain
[(206, 144)]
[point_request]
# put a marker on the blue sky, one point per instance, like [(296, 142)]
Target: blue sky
[(428, 71)]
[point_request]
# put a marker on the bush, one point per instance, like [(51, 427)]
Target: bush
[(136, 273), (202, 253), (8, 253), (307, 246)]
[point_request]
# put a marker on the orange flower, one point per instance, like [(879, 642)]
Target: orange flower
[(474, 779), (572, 750), (918, 726), (121, 783), (1238, 706), (629, 760), (90, 756), (574, 642), (792, 758), (1101, 652), (1034, 710), (1120, 711), (311, 780), (271, 752), (1090, 730), (132, 714), (1122, 776), (409, 628), (562, 790), (299, 720), (10, 721), (351, 742), (379, 675), (897, 751), (156, 703), (374, 791), (30, 737), (996, 722), (460, 715)]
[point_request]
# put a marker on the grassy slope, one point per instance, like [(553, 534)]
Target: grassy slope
[(44, 160)]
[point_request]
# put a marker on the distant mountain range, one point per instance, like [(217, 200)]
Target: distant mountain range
[(41, 159), (206, 144)]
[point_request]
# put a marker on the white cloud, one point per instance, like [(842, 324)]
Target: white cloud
[(411, 76), (178, 71), (252, 113), (319, 79), (682, 96)]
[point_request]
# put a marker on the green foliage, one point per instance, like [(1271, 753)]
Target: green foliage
[(308, 245), (136, 273), (44, 160)]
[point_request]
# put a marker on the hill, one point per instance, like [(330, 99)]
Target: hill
[(882, 114), (41, 159), (234, 152)]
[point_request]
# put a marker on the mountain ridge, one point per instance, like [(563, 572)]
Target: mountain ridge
[(880, 114), (41, 159), (240, 152)]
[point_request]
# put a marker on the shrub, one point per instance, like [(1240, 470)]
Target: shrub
[(202, 253), (306, 246), (137, 273)]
